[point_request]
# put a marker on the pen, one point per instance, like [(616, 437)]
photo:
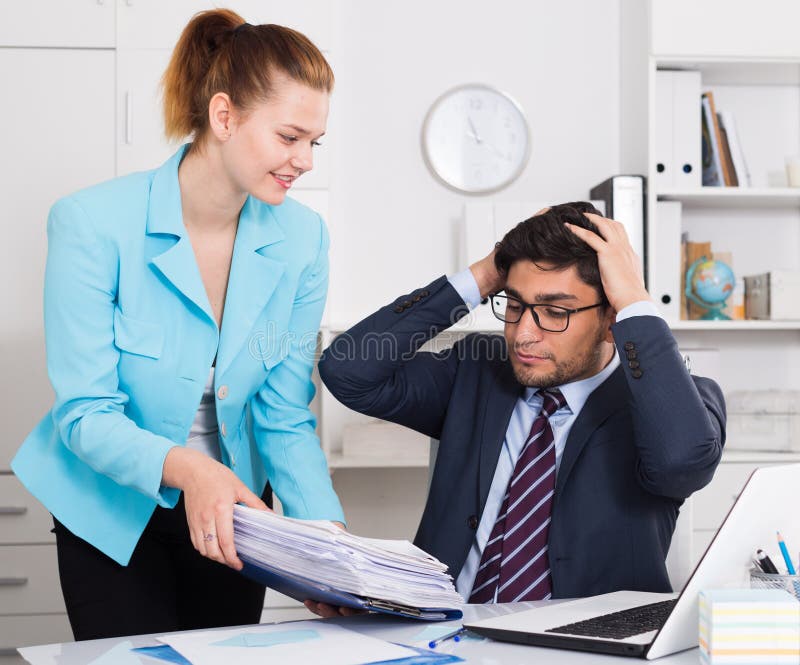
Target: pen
[(789, 565), (766, 563), (455, 636)]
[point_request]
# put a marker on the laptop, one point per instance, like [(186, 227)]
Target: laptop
[(652, 625)]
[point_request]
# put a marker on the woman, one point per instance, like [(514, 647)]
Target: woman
[(181, 306)]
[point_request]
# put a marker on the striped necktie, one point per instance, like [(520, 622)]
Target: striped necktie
[(514, 560)]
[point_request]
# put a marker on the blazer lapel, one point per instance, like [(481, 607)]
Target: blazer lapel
[(609, 397), (497, 414), (252, 281), (165, 217)]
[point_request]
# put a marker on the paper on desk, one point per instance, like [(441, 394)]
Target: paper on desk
[(394, 571), (335, 646), (248, 639), (118, 655)]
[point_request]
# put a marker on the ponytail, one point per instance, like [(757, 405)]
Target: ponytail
[(218, 52)]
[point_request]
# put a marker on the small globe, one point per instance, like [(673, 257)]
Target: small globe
[(713, 282)]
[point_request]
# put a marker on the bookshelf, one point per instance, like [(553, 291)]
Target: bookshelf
[(722, 197), (754, 73)]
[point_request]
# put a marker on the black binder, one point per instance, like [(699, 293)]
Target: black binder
[(625, 197)]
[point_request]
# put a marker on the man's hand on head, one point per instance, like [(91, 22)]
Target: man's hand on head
[(487, 276), (620, 267)]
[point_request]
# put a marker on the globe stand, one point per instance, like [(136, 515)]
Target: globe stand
[(713, 309)]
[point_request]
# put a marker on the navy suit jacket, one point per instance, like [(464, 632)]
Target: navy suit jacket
[(646, 438)]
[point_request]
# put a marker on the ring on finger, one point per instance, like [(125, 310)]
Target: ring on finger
[(209, 537)]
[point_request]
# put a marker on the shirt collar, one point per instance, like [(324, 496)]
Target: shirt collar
[(577, 392)]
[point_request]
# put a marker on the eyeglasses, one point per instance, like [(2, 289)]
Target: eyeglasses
[(551, 318)]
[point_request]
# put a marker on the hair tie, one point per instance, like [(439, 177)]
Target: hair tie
[(240, 26)]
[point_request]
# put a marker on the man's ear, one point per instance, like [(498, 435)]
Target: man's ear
[(610, 319)]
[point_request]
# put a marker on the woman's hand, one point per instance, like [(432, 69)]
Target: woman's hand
[(331, 611), (210, 491)]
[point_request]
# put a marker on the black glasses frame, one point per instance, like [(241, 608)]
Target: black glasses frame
[(532, 307)]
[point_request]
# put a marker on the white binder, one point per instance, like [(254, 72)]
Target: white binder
[(664, 172), (686, 130), (665, 267), (678, 148)]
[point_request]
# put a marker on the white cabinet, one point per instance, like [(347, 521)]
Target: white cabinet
[(140, 140), (59, 24), (153, 24), (57, 136), (725, 28)]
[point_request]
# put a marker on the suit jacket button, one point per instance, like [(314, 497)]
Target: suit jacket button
[(472, 522), (407, 303), (633, 364), (416, 298), (629, 346), (222, 393), (425, 293), (637, 373), (632, 355), (399, 309)]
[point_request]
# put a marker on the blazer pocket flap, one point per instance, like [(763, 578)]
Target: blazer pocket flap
[(271, 352), (139, 337)]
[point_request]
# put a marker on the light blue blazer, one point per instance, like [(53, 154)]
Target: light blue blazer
[(130, 340)]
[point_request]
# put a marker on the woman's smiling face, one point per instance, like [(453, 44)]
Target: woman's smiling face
[(271, 144)]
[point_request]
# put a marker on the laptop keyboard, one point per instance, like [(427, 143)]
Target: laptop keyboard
[(619, 625)]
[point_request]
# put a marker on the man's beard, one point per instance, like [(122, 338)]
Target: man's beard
[(564, 371)]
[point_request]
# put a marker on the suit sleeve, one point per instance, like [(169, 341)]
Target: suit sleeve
[(284, 426), (376, 367), (678, 419), (89, 410)]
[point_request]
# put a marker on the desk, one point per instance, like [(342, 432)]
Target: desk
[(486, 652)]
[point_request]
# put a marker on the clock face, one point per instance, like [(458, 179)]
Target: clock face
[(475, 139)]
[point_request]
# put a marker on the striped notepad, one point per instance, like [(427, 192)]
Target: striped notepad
[(749, 626)]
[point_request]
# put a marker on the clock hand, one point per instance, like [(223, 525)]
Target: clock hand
[(474, 133), (498, 152)]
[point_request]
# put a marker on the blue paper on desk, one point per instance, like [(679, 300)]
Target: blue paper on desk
[(423, 657), (163, 652)]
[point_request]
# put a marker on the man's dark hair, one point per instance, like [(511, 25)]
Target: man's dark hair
[(543, 238)]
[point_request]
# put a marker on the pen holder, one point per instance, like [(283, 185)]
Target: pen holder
[(761, 580)]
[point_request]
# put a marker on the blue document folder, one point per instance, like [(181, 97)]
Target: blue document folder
[(302, 589)]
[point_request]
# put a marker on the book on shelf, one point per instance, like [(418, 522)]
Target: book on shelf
[(714, 170), (726, 155), (691, 251), (728, 124)]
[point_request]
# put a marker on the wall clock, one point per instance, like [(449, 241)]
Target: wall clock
[(475, 139)]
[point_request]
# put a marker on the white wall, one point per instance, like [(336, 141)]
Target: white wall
[(393, 227), (392, 224)]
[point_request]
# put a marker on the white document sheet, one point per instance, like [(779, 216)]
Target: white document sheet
[(332, 645)]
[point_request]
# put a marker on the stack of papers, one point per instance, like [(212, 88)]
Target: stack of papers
[(749, 625), (316, 560)]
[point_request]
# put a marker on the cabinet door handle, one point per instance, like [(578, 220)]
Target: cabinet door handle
[(128, 117), (13, 581), (13, 510)]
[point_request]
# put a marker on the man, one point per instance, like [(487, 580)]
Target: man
[(566, 447)]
